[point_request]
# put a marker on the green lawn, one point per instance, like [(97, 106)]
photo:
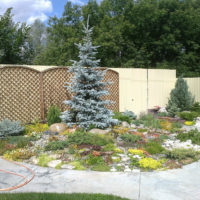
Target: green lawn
[(53, 196)]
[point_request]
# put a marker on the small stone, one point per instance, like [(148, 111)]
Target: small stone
[(34, 160), (54, 163), (58, 128), (127, 169), (67, 166), (133, 126), (99, 131), (125, 124), (113, 169)]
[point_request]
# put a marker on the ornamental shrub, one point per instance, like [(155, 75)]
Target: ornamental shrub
[(53, 115), (154, 147), (130, 138), (193, 135), (180, 98), (196, 107), (122, 117), (81, 137), (181, 153), (56, 145), (9, 128), (189, 116)]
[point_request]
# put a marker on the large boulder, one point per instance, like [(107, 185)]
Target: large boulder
[(58, 128)]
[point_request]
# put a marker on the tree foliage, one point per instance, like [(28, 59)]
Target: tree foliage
[(15, 44), (142, 33)]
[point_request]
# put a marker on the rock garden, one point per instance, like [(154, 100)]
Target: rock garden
[(147, 143), (88, 136)]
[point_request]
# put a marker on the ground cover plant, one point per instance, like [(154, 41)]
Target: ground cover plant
[(53, 196)]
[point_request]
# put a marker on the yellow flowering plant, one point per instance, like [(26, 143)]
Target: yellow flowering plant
[(150, 163), (139, 152)]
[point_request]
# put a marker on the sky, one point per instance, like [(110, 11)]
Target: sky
[(29, 10)]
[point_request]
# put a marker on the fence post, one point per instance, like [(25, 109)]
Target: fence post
[(41, 96)]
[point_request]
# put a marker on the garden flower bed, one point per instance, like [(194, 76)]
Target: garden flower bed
[(147, 143)]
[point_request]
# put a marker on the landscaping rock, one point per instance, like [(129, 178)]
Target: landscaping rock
[(125, 124), (99, 131), (58, 127), (133, 126), (113, 169), (34, 160), (54, 163), (197, 124), (175, 144)]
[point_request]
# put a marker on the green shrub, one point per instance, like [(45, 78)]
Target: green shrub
[(180, 98), (94, 160), (56, 145), (150, 121), (130, 138), (180, 154), (193, 135), (19, 141), (121, 117), (109, 147), (162, 114), (130, 114), (154, 147), (189, 116), (196, 107), (53, 115), (81, 137), (9, 128)]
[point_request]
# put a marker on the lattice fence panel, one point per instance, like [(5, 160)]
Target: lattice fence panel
[(113, 77), (25, 94), (53, 85), (19, 94), (55, 92)]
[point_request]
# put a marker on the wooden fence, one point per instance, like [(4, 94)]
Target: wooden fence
[(27, 93)]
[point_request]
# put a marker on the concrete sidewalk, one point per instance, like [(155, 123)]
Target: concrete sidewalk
[(178, 184)]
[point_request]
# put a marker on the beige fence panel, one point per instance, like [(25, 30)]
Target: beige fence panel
[(137, 94), (160, 84), (132, 89), (194, 87)]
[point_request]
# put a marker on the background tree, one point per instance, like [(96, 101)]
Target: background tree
[(38, 35), (15, 43)]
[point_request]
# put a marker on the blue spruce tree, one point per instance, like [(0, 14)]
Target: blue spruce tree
[(87, 86)]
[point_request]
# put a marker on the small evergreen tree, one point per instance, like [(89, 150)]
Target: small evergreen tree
[(86, 106), (180, 98)]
